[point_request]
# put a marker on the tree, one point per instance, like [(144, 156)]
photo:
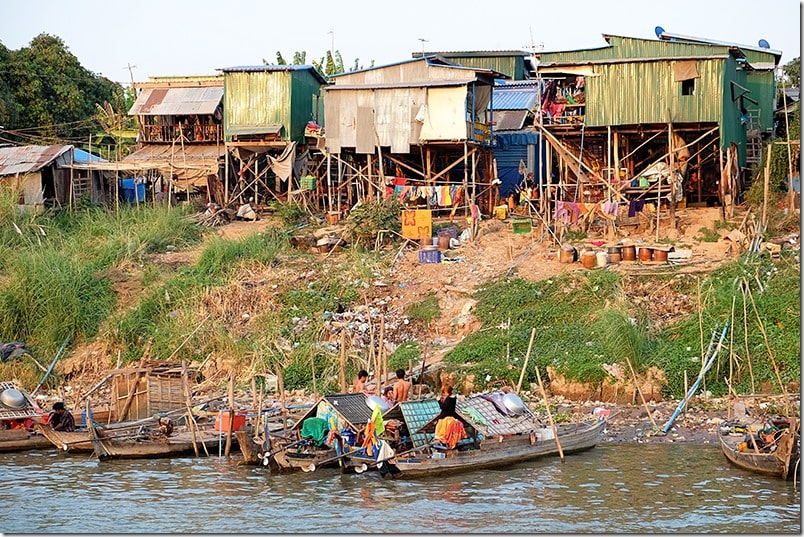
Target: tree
[(46, 96), (329, 64), (791, 73)]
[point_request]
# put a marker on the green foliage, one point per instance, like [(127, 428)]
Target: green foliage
[(425, 311), (367, 219), (792, 73), (220, 257), (408, 352), (45, 90), (291, 214), (48, 296), (775, 287), (707, 235)]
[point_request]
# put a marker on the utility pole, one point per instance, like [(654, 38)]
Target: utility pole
[(332, 43), (130, 71)]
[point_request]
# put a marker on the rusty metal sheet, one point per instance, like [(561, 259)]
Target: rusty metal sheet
[(177, 101), (29, 158)]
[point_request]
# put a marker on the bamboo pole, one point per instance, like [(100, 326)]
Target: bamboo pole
[(639, 391), (312, 371), (343, 361), (527, 356), (745, 338), (185, 382), (231, 414), (381, 357), (550, 415), (770, 351), (766, 189)]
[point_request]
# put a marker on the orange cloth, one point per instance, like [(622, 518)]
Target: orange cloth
[(450, 431)]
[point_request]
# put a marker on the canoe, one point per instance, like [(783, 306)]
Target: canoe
[(152, 444), (500, 451), (778, 459)]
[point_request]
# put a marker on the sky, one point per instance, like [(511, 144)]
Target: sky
[(132, 42)]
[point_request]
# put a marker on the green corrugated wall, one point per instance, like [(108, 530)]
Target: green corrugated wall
[(644, 92)]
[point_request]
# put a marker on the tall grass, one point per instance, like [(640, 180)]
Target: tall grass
[(51, 266)]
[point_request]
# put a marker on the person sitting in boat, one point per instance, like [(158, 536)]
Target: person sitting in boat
[(59, 419), (449, 425), (388, 396), (401, 387)]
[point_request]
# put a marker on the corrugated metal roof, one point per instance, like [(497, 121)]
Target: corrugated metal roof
[(177, 101), (29, 158), (509, 120), (514, 98)]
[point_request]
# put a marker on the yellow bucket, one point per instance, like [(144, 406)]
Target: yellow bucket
[(501, 212)]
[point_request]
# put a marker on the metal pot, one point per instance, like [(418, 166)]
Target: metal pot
[(513, 403), (13, 398), (375, 400)]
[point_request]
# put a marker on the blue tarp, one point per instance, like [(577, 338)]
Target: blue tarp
[(83, 157)]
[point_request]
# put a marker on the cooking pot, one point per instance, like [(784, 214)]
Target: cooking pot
[(12, 398), (375, 400), (513, 403)]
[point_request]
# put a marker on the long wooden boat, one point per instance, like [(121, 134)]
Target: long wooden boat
[(22, 440), (156, 444), (501, 451), (778, 459), (80, 441), (496, 437)]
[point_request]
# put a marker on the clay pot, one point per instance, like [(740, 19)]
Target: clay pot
[(589, 259), (645, 254), (443, 242), (629, 253), (567, 254), (660, 255)]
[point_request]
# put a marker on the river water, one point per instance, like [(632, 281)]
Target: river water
[(622, 488)]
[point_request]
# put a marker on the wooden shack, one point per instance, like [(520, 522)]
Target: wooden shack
[(141, 392)]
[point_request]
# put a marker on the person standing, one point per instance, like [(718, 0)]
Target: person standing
[(402, 387), (61, 420), (360, 383)]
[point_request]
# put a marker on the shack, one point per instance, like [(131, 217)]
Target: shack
[(38, 173), (418, 129)]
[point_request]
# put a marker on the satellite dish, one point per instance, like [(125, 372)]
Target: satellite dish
[(659, 31), (764, 44)]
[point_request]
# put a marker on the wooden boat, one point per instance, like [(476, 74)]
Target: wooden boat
[(307, 449), (79, 440), (778, 458), (18, 415), (497, 437), (156, 443)]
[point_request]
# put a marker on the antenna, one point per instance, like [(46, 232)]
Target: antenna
[(332, 43), (423, 40), (130, 72)]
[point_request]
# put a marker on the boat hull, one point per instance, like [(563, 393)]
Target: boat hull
[(494, 453), (207, 442), (779, 463)]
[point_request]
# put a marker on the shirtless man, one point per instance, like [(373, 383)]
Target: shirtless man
[(402, 387), (360, 382)]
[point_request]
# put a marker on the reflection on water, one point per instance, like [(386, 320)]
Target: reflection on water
[(663, 488)]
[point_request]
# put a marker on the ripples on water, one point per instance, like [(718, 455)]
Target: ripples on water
[(610, 489)]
